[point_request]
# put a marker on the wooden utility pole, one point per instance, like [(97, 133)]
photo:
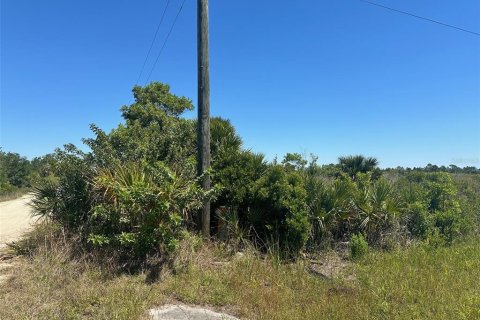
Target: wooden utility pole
[(203, 130)]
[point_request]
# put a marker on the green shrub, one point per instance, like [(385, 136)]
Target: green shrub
[(420, 221), (451, 224), (236, 172), (434, 208), (134, 208), (279, 211), (358, 246), (349, 205), (152, 131), (330, 207), (434, 239), (140, 208), (66, 199), (378, 207), (436, 189)]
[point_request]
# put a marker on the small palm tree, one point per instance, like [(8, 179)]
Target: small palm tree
[(352, 165)]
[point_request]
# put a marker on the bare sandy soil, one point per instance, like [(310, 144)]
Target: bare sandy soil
[(15, 219)]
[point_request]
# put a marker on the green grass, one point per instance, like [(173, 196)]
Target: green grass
[(416, 283), (424, 283)]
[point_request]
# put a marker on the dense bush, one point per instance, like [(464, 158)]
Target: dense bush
[(67, 199), (234, 170), (279, 212), (236, 173), (136, 190), (153, 131), (139, 208), (450, 224), (345, 206), (390, 208), (420, 221), (432, 206)]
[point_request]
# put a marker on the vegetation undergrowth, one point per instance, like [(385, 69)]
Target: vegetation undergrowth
[(54, 279), (136, 191), (127, 210)]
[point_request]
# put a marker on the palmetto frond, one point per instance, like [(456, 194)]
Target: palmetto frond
[(45, 200), (352, 165)]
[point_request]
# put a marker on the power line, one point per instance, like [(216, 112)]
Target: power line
[(166, 39), (420, 17), (153, 41)]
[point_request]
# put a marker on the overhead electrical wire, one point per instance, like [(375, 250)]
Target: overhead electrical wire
[(165, 42), (420, 17), (153, 41)]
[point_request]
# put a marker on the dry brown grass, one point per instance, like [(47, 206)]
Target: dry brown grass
[(17, 193), (54, 281)]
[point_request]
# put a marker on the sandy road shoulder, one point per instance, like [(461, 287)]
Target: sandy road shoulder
[(15, 219)]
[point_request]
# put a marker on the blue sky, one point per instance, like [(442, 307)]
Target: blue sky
[(325, 77)]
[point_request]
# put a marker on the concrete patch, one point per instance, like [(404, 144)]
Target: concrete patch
[(181, 312)]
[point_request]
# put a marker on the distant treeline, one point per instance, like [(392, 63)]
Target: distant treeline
[(434, 168), (17, 173)]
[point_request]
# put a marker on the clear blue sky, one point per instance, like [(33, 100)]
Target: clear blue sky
[(325, 77)]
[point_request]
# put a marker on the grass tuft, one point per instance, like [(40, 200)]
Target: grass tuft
[(53, 280)]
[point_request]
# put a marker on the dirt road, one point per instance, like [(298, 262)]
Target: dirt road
[(15, 219)]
